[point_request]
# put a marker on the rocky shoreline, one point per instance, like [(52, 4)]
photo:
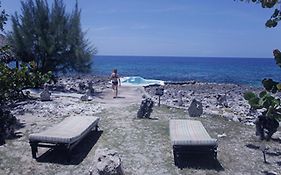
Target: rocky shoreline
[(225, 100), (179, 94)]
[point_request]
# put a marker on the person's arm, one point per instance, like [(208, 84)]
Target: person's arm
[(110, 78), (119, 81)]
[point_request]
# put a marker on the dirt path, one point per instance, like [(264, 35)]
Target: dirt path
[(126, 96)]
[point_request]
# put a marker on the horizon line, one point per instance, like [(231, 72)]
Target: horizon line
[(183, 56)]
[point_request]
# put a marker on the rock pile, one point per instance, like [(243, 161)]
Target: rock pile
[(78, 84), (222, 100), (107, 162)]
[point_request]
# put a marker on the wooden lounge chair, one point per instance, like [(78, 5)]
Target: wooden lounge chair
[(66, 134), (190, 137)]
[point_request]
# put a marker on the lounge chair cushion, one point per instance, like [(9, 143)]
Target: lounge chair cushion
[(68, 131), (189, 132)]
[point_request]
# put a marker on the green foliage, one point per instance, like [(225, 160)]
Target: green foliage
[(277, 57), (276, 15), (14, 80), (3, 18), (270, 85), (51, 37), (8, 123), (265, 101)]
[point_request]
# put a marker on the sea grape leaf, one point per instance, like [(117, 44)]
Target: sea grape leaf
[(277, 57), (270, 85), (278, 86), (276, 102), (254, 102), (249, 95), (262, 94), (275, 13), (271, 23)]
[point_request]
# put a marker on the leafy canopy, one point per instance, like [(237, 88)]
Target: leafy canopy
[(265, 100), (12, 79), (51, 37), (276, 15)]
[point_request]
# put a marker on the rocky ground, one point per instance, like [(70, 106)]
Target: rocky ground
[(142, 144), (233, 107)]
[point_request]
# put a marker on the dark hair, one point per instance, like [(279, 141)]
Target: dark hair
[(115, 70)]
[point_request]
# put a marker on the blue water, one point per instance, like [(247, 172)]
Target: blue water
[(247, 71)]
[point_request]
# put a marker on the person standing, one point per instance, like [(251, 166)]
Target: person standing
[(115, 80)]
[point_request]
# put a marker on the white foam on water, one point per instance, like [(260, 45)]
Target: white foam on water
[(139, 81)]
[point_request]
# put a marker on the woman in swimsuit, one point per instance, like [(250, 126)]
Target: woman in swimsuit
[(115, 79)]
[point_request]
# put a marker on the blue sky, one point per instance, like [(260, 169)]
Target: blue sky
[(217, 28)]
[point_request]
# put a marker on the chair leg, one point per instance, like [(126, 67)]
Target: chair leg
[(175, 156), (34, 149), (96, 128), (68, 153)]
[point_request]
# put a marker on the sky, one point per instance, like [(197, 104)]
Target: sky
[(217, 28)]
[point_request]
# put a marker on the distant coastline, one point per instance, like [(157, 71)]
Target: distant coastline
[(241, 71)]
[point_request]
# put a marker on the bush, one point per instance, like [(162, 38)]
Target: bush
[(14, 80), (8, 123)]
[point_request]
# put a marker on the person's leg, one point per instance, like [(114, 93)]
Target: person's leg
[(116, 90), (114, 87)]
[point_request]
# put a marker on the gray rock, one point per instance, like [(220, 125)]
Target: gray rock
[(222, 135), (222, 100), (108, 162), (180, 102), (90, 88), (145, 108), (236, 119), (45, 94), (88, 93), (270, 173), (195, 109), (87, 96)]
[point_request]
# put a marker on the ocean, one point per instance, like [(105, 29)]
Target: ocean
[(243, 71)]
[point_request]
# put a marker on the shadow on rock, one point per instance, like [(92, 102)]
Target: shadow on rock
[(77, 155), (278, 140), (252, 146), (199, 162)]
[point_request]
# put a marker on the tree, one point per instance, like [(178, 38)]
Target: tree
[(51, 37), (14, 79), (276, 15), (270, 104), (3, 19)]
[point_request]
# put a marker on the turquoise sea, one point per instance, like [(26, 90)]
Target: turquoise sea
[(244, 71)]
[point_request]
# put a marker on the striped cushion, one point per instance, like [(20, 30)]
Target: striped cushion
[(68, 131), (189, 132)]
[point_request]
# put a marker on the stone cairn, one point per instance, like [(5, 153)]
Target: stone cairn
[(89, 92), (107, 162), (195, 109), (222, 100), (145, 108), (90, 87), (45, 94), (180, 102)]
